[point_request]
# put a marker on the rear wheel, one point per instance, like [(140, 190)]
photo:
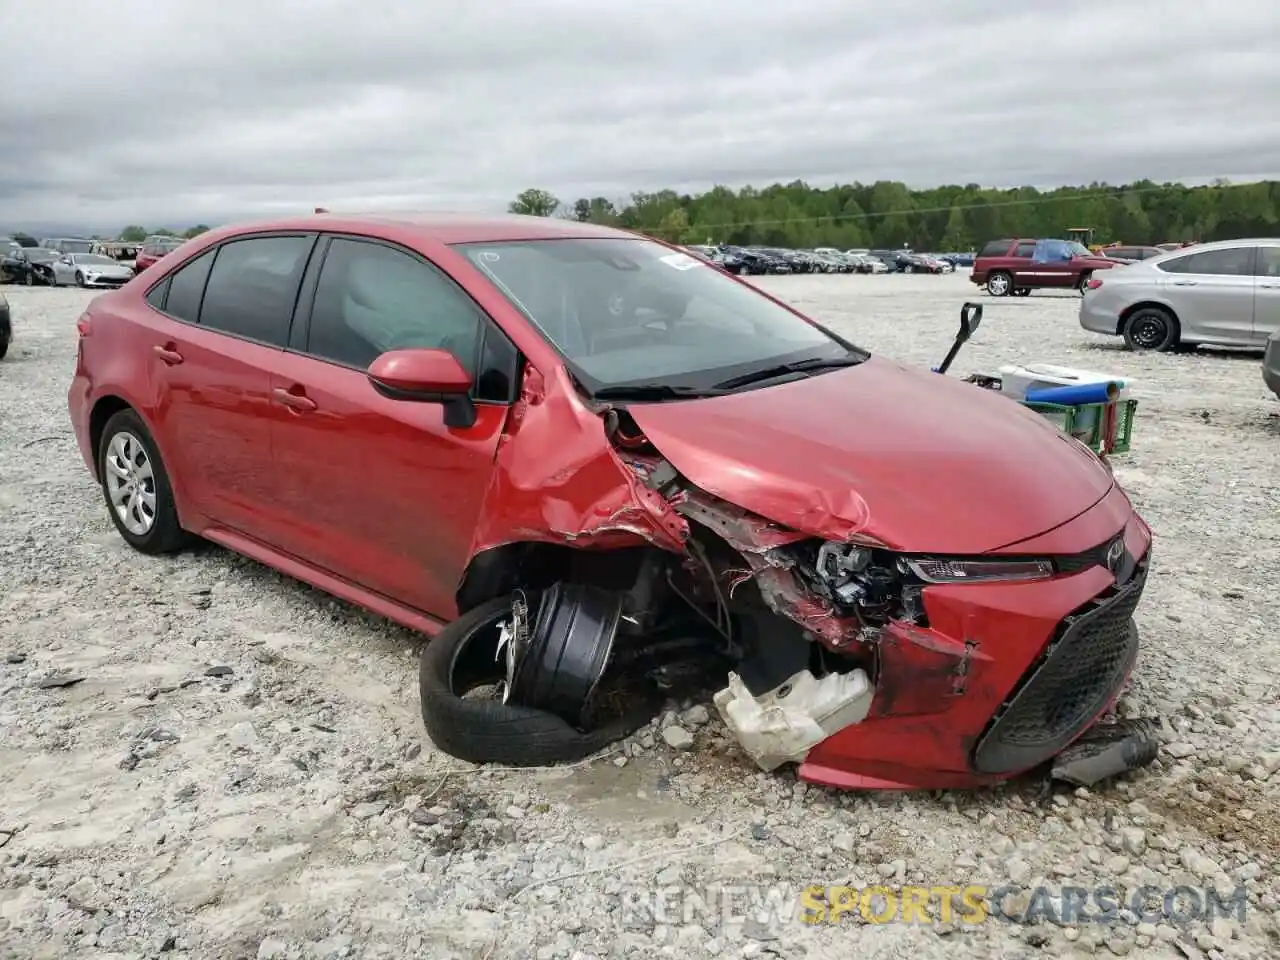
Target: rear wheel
[(29, 278), (1151, 328), (136, 486), (999, 284), (1022, 292), (1083, 283)]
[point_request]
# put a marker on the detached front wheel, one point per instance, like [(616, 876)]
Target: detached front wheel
[(465, 659)]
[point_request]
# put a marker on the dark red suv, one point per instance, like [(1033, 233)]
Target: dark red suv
[(562, 450), (1017, 267)]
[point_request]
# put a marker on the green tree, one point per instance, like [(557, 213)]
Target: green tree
[(133, 234), (195, 231), (955, 238), (535, 203)]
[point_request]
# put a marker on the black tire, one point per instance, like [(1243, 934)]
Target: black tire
[(1083, 283), (1022, 292), (79, 279), (999, 284), (29, 279), (165, 534), (488, 731), (1151, 328)]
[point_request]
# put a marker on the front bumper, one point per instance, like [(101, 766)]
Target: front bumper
[(1005, 677), (112, 282)]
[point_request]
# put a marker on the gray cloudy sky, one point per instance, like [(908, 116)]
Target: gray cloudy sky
[(141, 111)]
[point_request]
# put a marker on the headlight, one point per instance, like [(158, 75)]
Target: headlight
[(975, 571)]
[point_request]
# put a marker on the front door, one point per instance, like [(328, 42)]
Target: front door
[(1212, 292), (1266, 295), (382, 492)]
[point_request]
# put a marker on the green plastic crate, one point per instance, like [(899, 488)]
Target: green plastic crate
[(1087, 423)]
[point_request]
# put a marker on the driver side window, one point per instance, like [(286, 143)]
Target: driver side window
[(371, 298)]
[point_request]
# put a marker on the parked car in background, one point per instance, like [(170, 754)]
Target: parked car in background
[(1018, 266), (6, 326), (961, 259), (1271, 363), (153, 249), (1131, 254), (91, 270), (31, 266), (346, 399), (1225, 293), (68, 244), (866, 263)]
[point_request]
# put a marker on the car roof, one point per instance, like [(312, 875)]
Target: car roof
[(441, 227)]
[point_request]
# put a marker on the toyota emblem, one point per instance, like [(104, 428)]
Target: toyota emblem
[(1114, 553)]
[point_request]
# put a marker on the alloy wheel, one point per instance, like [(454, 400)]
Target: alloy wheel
[(131, 483)]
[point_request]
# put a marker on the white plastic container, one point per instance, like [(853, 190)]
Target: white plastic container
[(1016, 381)]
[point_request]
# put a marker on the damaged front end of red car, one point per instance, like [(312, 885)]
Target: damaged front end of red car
[(869, 664)]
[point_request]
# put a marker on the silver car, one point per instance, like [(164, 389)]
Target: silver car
[(1225, 293), (91, 270)]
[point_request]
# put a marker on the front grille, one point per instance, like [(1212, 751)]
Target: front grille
[(1092, 651)]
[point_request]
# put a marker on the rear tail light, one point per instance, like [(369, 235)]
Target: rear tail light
[(1094, 283)]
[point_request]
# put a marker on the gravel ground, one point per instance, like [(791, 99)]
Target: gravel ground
[(202, 758)]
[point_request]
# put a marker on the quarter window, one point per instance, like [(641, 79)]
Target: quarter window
[(253, 286), (1025, 249), (371, 298), (1229, 262), (186, 287), (995, 248)]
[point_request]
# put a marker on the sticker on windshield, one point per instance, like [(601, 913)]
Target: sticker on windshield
[(490, 257), (679, 261)]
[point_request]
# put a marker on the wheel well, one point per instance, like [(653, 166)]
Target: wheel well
[(1129, 311), (106, 408), (536, 565)]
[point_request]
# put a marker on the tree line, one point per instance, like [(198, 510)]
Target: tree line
[(889, 214)]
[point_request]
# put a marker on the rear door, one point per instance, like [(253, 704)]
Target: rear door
[(382, 492), (1212, 292), (1026, 273), (1266, 296), (233, 306)]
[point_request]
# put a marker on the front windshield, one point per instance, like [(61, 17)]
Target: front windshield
[(93, 258), (1078, 249), (625, 311), (40, 255), (77, 246)]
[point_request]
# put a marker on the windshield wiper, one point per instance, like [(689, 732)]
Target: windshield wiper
[(655, 391), (782, 369)]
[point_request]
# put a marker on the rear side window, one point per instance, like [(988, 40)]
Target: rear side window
[(253, 286), (1231, 262), (995, 248), (186, 287), (1025, 249)]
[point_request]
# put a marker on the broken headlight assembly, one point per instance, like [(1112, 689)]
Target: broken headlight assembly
[(878, 585)]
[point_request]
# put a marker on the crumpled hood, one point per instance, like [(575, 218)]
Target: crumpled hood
[(918, 461)]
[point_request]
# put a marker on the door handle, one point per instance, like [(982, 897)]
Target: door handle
[(294, 401), (167, 354), (1185, 283), (1270, 286)]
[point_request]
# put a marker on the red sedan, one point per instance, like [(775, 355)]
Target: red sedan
[(555, 446)]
